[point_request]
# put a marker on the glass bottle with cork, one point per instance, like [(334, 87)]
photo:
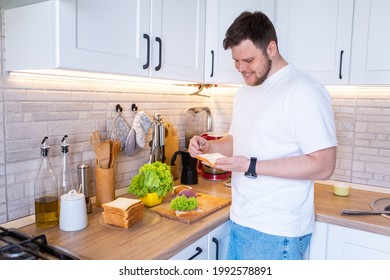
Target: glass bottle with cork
[(46, 191)]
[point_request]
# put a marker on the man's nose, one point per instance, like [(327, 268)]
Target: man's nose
[(240, 67)]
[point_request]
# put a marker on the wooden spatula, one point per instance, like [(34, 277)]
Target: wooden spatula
[(115, 149), (103, 152)]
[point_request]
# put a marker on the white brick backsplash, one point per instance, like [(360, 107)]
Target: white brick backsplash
[(34, 107), (361, 127), (18, 131)]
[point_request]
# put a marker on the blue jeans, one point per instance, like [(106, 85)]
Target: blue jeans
[(250, 244)]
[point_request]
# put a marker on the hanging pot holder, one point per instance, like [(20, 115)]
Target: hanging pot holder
[(136, 139), (119, 129)]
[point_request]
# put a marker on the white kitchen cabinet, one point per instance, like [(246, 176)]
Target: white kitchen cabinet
[(333, 242), (196, 251), (84, 35), (154, 38), (370, 61), (351, 244), (181, 27), (315, 36), (218, 242), (220, 14), (212, 246), (317, 246)]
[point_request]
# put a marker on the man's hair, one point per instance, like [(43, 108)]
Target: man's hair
[(255, 26)]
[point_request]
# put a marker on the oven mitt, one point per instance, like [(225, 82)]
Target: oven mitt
[(119, 130), (136, 138), (131, 147), (141, 126)]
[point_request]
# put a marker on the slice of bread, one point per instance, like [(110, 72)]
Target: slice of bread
[(121, 221), (210, 159), (123, 212), (188, 213), (123, 206)]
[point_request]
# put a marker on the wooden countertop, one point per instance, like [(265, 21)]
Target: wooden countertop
[(160, 238), (328, 206), (154, 238)]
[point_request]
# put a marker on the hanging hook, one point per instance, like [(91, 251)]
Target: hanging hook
[(134, 107), (118, 108)]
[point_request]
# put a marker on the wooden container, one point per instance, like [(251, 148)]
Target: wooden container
[(105, 185)]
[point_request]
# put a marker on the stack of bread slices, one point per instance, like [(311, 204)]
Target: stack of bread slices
[(123, 212)]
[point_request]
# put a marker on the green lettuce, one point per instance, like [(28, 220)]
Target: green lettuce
[(152, 177), (182, 203)]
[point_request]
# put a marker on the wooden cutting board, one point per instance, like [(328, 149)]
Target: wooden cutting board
[(207, 203), (171, 146)]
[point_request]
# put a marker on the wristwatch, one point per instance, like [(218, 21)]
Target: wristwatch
[(251, 173)]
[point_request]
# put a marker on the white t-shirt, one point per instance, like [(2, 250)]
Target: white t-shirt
[(290, 114)]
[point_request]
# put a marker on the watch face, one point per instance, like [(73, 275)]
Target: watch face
[(251, 175)]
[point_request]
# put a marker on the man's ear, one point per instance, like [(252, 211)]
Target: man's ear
[(272, 49)]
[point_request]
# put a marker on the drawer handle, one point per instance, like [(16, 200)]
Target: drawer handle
[(146, 65), (215, 240), (341, 64), (158, 39), (199, 251)]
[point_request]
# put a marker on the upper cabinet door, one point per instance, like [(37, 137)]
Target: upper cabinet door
[(220, 14), (177, 39), (151, 38), (370, 63), (85, 35), (103, 36), (316, 37)]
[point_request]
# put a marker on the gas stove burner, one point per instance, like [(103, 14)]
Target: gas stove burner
[(17, 252), (16, 245)]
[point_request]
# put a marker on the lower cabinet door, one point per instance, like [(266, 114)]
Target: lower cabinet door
[(219, 242), (317, 246), (351, 244), (196, 251)]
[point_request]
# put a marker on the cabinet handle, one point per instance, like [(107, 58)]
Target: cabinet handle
[(212, 64), (215, 240), (146, 65), (198, 252), (158, 39), (341, 64)]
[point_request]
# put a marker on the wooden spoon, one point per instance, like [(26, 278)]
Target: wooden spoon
[(115, 149), (103, 152)]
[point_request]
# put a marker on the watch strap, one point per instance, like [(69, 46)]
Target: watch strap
[(251, 173)]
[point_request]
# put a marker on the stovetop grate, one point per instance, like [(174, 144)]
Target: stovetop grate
[(15, 245)]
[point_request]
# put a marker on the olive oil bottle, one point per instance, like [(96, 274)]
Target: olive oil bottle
[(46, 192)]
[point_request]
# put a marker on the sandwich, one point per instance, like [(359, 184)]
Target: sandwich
[(210, 159), (185, 206)]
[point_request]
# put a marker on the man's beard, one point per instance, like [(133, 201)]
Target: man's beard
[(261, 79)]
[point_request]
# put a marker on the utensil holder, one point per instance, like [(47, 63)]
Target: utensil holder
[(105, 185)]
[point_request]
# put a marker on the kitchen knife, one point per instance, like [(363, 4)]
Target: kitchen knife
[(363, 212)]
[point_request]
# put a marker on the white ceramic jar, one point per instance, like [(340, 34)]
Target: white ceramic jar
[(73, 211)]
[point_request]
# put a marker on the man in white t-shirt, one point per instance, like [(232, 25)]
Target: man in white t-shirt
[(282, 138)]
